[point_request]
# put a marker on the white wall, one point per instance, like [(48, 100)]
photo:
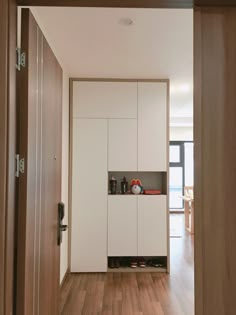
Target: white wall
[(181, 133)]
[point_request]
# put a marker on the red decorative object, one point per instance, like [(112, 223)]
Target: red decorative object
[(136, 186), (152, 192)]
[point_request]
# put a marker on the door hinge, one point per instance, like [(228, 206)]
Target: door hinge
[(20, 59), (20, 165)]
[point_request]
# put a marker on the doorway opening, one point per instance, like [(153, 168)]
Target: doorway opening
[(123, 44)]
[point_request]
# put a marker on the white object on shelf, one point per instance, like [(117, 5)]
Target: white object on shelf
[(152, 225), (122, 145), (122, 226), (98, 99), (152, 126), (89, 196)]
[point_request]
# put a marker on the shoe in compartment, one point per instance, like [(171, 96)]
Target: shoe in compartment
[(117, 262), (111, 263), (142, 263), (133, 263)]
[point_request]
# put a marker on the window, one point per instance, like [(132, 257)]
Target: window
[(181, 171)]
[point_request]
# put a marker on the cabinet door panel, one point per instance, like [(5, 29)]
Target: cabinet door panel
[(152, 226), (122, 145), (122, 226), (89, 196), (152, 126), (94, 99)]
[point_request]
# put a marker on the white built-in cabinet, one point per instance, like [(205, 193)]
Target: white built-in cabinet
[(152, 126), (122, 145), (137, 226), (118, 126), (152, 226), (122, 226), (89, 196), (98, 99)]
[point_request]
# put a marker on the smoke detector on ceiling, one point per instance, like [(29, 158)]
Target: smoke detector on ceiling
[(126, 21)]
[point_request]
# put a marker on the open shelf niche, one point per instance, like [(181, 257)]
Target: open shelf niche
[(149, 180)]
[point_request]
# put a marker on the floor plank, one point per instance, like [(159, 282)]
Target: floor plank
[(146, 293)]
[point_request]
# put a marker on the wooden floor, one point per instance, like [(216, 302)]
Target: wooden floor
[(137, 293)]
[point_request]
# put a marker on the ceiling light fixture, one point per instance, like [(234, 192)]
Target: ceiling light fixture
[(126, 21)]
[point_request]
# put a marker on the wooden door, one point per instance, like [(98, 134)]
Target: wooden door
[(40, 101), (215, 156)]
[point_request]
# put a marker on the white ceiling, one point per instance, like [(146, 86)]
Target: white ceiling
[(90, 42)]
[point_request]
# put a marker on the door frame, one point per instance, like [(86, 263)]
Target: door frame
[(8, 135)]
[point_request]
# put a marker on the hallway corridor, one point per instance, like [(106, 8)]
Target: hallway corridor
[(137, 293)]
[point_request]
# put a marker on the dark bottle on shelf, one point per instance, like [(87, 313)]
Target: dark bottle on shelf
[(124, 186), (113, 185)]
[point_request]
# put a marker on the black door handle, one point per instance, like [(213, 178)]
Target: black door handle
[(61, 227)]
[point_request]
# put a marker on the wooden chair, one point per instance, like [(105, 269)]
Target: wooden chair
[(189, 208)]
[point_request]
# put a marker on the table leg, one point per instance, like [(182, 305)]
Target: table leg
[(192, 217), (186, 214)]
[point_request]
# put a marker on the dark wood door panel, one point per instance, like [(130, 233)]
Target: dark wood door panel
[(40, 186), (27, 182), (11, 151), (215, 173), (3, 142), (51, 178)]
